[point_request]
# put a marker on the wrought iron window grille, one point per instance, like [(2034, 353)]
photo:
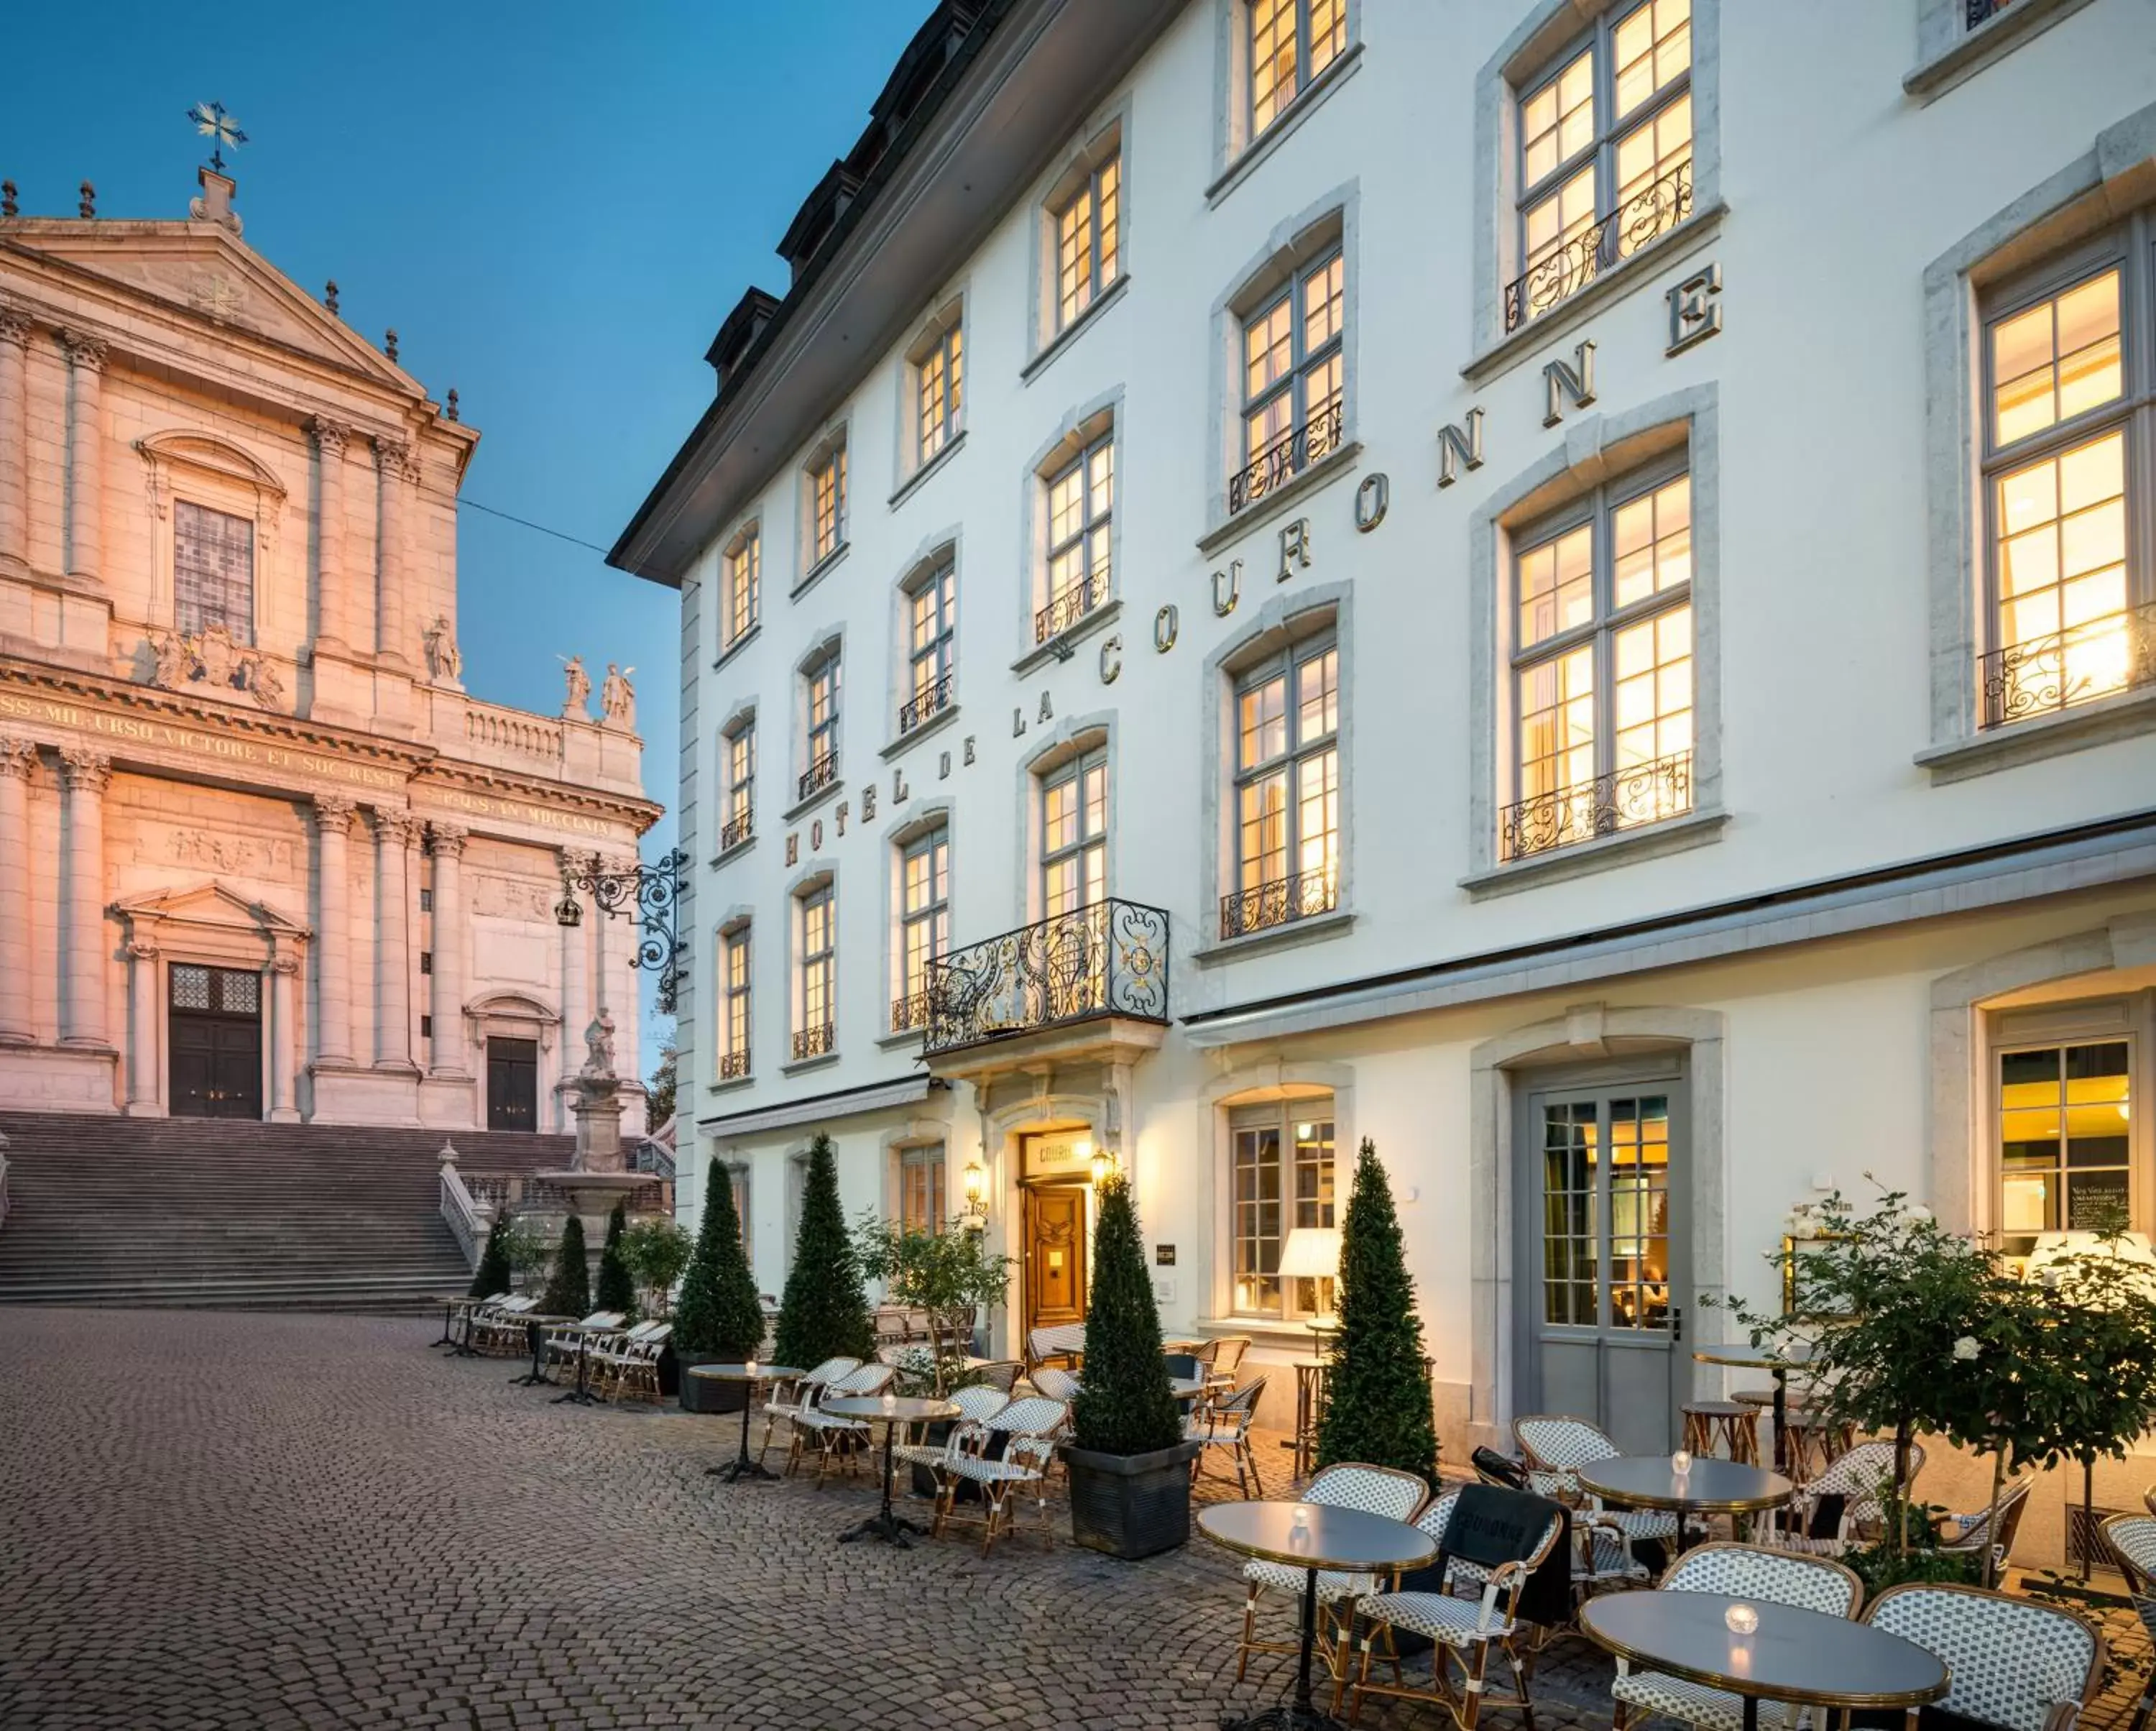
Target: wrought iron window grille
[(1285, 899), (1626, 798), (926, 705), (1982, 12), (2045, 674), (1286, 457), (737, 829), (1647, 215), (1065, 610), (1109, 958), (814, 1042), (819, 774), (732, 1066), (908, 1013)]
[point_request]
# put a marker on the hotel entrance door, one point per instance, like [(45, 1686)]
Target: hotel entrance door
[(1054, 1254)]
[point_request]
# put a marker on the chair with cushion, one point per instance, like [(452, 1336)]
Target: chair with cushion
[(2010, 1663), (792, 1395), (1031, 1427), (1225, 1424), (1744, 1571), (1979, 1529), (1374, 1490), (1555, 1447), (1857, 1484), (834, 1434), (1492, 1554)]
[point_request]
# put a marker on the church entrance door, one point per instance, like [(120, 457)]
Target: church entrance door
[(215, 1042), (512, 1084)]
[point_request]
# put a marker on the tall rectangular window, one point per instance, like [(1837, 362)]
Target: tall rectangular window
[(814, 1030), (1074, 835), (1286, 789), (1291, 42), (739, 748), (920, 1182), (939, 385), (1282, 1178), (1081, 498), (827, 505), (822, 693), (212, 572), (2066, 1140), (924, 923), (931, 633), (1294, 375), (744, 589), (734, 977), (1602, 668), (1087, 257), (1606, 146), (2071, 467)]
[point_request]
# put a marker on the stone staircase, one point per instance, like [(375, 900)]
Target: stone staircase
[(227, 1214)]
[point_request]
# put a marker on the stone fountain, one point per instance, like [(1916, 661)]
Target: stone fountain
[(597, 1177)]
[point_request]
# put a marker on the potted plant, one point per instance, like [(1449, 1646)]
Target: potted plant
[(718, 1320), (617, 1289), (569, 1288), (1377, 1404), (824, 1312), (656, 1250), (1128, 1458), (951, 1274), (493, 1275), (528, 1250)]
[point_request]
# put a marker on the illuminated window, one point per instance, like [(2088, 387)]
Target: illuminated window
[(1088, 228), (1606, 1160), (939, 380), (924, 923), (212, 572), (738, 748), (820, 696), (816, 992), (1294, 370), (1074, 835), (1602, 668), (1286, 789), (921, 1177), (734, 974), (1291, 42), (2066, 1140), (744, 584), (1081, 496), (827, 504), (931, 635), (1282, 1177)]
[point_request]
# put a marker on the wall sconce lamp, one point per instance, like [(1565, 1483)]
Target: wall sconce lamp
[(1103, 1168), (974, 1180)]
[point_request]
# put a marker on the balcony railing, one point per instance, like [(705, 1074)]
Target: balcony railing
[(1283, 899), (908, 1013), (819, 774), (1981, 12), (733, 1065), (1645, 216), (737, 829), (814, 1042), (1108, 958), (2047, 674), (1065, 610), (1623, 800), (1286, 457), (926, 705)]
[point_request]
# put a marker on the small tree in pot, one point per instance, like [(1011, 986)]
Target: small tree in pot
[(569, 1290), (719, 1320), (951, 1274), (1129, 1462), (824, 1314), (528, 1250), (1377, 1404), (657, 1250), (493, 1274), (617, 1291)]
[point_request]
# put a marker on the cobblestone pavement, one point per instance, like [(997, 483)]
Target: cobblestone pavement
[(225, 1520)]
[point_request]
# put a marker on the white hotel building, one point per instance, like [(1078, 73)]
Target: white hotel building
[(1568, 586)]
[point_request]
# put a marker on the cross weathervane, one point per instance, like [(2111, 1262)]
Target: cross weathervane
[(213, 123)]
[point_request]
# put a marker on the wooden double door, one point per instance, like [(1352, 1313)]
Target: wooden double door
[(512, 1084), (214, 1040), (1055, 1246)]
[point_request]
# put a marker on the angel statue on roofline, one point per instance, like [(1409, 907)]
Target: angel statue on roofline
[(617, 697), (579, 682)]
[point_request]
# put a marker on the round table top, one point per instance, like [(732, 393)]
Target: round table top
[(1742, 1356), (890, 1409), (759, 1372), (1648, 1481), (1800, 1657), (1184, 1387), (1329, 1539)]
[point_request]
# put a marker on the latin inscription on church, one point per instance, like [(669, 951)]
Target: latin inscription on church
[(142, 730)]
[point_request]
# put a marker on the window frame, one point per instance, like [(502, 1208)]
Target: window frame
[(1056, 616), (828, 460), (1072, 771), (1304, 75), (1095, 279), (930, 698), (1292, 902), (816, 970), (1280, 1116), (931, 1162), (738, 741), (909, 1008), (736, 986), (1293, 382), (744, 554), (242, 627), (944, 350), (822, 679)]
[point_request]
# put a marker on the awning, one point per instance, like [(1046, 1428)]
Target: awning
[(845, 1102)]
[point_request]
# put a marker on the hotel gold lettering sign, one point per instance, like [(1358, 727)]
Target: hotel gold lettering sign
[(165, 736)]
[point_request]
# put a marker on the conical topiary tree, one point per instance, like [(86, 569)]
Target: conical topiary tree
[(824, 1312), (1124, 1406), (617, 1289), (1378, 1407), (569, 1288), (718, 1313), (493, 1274)]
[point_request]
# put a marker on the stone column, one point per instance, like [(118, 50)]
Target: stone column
[(334, 614), (83, 978), (393, 458), (14, 439), (576, 960), (142, 1007), (446, 1006), (622, 983), (85, 511), (285, 1055), (18, 758), (397, 833), (333, 928)]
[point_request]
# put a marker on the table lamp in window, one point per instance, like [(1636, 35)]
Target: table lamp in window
[(1313, 1253)]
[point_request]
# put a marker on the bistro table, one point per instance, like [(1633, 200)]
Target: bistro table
[(449, 1302), (581, 1395), (1803, 1658), (890, 1411), (1712, 1485), (755, 1375), (1312, 1536), (1737, 1356)]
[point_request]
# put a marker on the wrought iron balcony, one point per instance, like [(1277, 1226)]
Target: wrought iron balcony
[(1286, 457), (819, 774), (814, 1042), (1108, 958), (737, 829), (1981, 12), (1297, 897), (909, 1014), (1623, 800), (2047, 674), (1645, 216), (926, 705), (733, 1064), (1065, 610)]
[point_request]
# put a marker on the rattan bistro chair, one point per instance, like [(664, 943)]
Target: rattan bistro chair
[(2132, 1541), (1973, 1531), (1374, 1490), (1225, 1424), (627, 1366), (1745, 1571), (1054, 1384), (978, 1405), (1863, 1478), (1555, 1446), (795, 1395), (1062, 1343), (834, 1435), (2010, 1661), (1032, 1427)]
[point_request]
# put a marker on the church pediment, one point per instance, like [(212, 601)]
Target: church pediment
[(207, 903)]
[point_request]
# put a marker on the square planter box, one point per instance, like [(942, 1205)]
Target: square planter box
[(1131, 1505), (704, 1394)]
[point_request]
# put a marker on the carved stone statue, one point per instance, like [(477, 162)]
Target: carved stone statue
[(617, 697), (598, 1043), (445, 661), (579, 687), (168, 651)]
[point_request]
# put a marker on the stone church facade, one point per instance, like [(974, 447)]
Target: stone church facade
[(261, 854)]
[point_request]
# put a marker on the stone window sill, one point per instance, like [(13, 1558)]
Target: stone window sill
[(1649, 841), (738, 645), (1284, 123), (732, 1084), (952, 447), (893, 1042), (1287, 935), (1620, 279), (1972, 50), (815, 574), (1064, 643), (1327, 468), (1269, 1334), (799, 1066), (801, 807), (1070, 332), (935, 724), (727, 855), (2123, 717)]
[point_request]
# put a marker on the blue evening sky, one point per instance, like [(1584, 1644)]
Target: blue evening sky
[(554, 203)]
